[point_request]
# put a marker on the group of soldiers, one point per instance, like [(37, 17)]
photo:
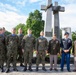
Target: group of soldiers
[(23, 45)]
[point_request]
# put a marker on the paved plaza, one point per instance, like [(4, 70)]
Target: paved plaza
[(40, 72)]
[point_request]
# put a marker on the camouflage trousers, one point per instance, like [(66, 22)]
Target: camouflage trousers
[(20, 55), (41, 57), (12, 53), (1, 57), (28, 55)]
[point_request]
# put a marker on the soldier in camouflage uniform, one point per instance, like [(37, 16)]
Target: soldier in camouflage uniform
[(4, 34), (20, 53), (28, 46), (12, 47), (41, 47), (2, 50)]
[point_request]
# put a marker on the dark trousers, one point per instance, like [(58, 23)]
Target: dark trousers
[(67, 57), (20, 55)]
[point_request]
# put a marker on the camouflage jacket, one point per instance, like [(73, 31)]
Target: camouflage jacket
[(2, 41), (41, 44), (28, 43), (20, 39), (12, 41)]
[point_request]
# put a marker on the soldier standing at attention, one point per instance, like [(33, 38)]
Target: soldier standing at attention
[(28, 44), (66, 45), (12, 47), (20, 53), (4, 34), (54, 50), (2, 50), (74, 52), (41, 47)]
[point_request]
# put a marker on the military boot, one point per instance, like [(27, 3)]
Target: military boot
[(7, 70), (22, 65), (15, 69), (2, 70), (37, 68), (30, 69), (25, 68), (43, 68)]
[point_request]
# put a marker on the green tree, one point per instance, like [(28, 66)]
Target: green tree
[(7, 32), (35, 23), (74, 36), (22, 26)]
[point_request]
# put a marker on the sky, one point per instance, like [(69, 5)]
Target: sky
[(13, 12)]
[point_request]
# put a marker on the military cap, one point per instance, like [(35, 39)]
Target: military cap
[(66, 33)]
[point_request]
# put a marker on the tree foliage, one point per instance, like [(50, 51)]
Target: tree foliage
[(74, 36), (34, 22), (7, 32), (22, 26)]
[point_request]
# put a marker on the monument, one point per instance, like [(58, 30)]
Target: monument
[(48, 22), (56, 27)]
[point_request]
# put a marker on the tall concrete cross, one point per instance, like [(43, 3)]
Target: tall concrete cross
[(56, 9), (48, 23)]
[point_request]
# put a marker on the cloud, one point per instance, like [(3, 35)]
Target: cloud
[(10, 13), (21, 2), (69, 1), (33, 1), (68, 18), (11, 19), (9, 16), (18, 2), (65, 1), (4, 7)]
